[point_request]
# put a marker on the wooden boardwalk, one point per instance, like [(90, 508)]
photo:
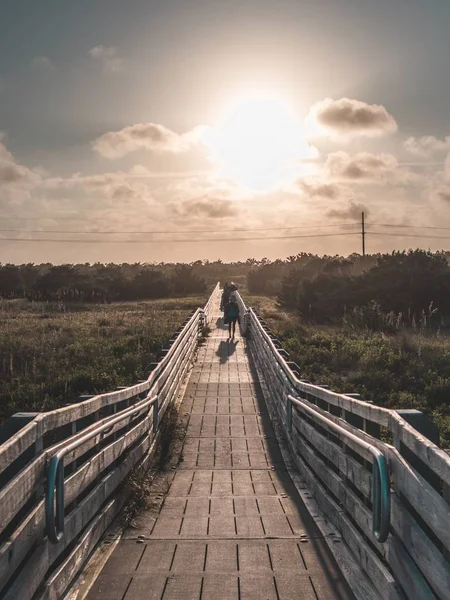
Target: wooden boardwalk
[(231, 524)]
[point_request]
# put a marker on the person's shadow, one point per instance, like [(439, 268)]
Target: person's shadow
[(226, 349)]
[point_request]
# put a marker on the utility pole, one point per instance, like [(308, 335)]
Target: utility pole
[(363, 235)]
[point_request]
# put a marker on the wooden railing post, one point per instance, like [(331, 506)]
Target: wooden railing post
[(423, 424)]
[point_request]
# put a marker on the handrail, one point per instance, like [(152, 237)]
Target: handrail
[(309, 387), (43, 423), (156, 382), (54, 518), (381, 502)]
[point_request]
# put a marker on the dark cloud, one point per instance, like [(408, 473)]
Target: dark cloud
[(321, 190), (12, 173), (352, 117), (352, 211), (366, 168), (443, 194), (214, 208)]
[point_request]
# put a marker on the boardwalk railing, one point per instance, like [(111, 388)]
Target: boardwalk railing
[(331, 438), (61, 472)]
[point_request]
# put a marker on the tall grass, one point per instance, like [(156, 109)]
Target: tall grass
[(51, 353), (385, 358)]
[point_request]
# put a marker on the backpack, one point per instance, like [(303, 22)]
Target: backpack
[(232, 299), (233, 306)]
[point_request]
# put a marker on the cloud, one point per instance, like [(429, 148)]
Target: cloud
[(107, 57), (12, 173), (366, 168), (352, 211), (350, 118), (147, 136), (438, 188), (117, 186), (42, 63), (426, 145), (442, 194), (210, 207), (320, 190)]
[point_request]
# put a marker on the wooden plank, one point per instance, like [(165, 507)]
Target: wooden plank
[(65, 415), (18, 444), (33, 572), (23, 486), (435, 458), (80, 479), (377, 572), (358, 544), (60, 580), (170, 373), (32, 528), (430, 561), (370, 412), (349, 502), (348, 466), (361, 584), (432, 508), (423, 552), (357, 432), (20, 490), (99, 463), (414, 585), (14, 550)]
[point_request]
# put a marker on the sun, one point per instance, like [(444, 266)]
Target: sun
[(259, 143)]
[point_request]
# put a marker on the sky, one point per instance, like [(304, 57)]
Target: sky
[(148, 131)]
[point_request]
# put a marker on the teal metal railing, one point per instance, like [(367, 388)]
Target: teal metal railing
[(381, 501), (54, 497)]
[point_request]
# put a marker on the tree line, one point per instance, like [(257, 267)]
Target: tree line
[(408, 287), (99, 282)]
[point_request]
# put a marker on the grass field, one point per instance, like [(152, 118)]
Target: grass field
[(51, 353), (403, 370)]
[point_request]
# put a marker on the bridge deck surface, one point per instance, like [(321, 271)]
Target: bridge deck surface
[(231, 525)]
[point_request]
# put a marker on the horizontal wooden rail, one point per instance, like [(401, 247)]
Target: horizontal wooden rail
[(88, 449), (412, 559), (381, 505), (54, 498)]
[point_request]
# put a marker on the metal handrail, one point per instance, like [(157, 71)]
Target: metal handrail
[(54, 503), (381, 501)]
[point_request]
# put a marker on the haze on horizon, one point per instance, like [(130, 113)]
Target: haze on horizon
[(207, 119)]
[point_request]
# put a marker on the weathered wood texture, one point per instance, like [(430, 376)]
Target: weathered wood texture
[(93, 472), (412, 563)]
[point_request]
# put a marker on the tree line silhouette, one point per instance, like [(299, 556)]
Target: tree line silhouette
[(410, 285), (98, 282)]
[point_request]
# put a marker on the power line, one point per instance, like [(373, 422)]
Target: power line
[(408, 235), (407, 226), (192, 240), (190, 231)]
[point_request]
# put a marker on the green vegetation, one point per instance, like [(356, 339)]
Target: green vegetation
[(99, 282), (404, 368), (52, 352), (402, 289)]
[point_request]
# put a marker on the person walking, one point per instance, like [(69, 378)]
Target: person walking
[(232, 314), (225, 295)]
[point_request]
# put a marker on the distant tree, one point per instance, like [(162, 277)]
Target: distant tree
[(185, 280)]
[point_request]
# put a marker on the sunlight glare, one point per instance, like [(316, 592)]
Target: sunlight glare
[(259, 144)]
